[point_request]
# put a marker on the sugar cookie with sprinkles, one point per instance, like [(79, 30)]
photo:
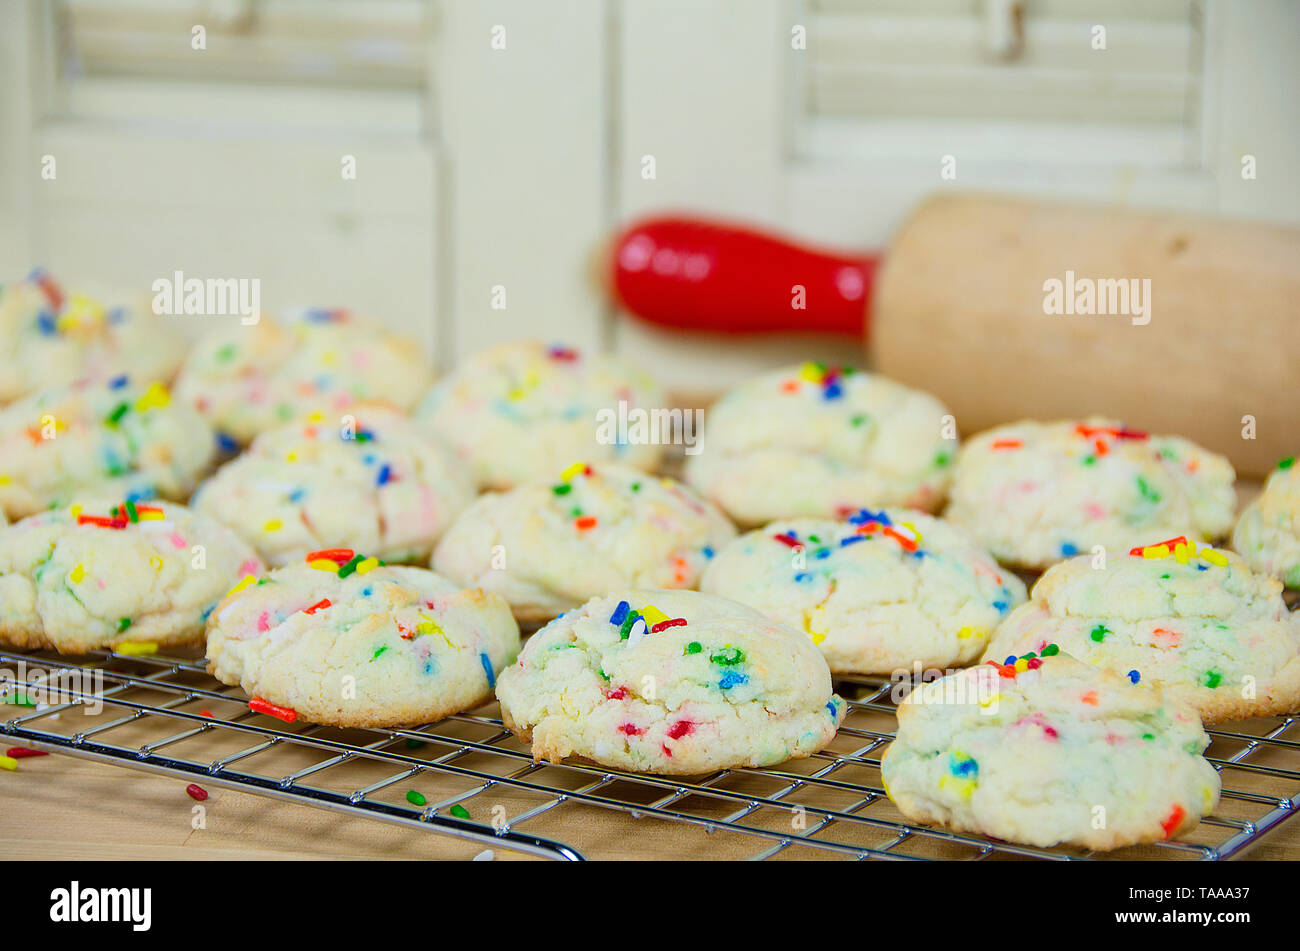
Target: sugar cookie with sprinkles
[(1188, 618), (524, 410), (126, 575), (115, 438), (877, 593), (1049, 751), (669, 682), (248, 379), (51, 337), (344, 640), (1267, 535), (1036, 493), (378, 483), (548, 546), (822, 441)]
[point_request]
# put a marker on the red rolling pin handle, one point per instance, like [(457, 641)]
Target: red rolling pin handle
[(701, 275)]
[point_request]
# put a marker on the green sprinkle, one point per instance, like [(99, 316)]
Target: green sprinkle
[(227, 352), (115, 417), (1148, 493), (376, 654), (1098, 633), (694, 647), (1286, 463), (351, 566), (859, 418), (814, 539), (1089, 460), (562, 489), (728, 657), (19, 699), (1051, 650), (635, 486), (131, 513), (416, 799), (459, 811), (575, 512), (1213, 678), (122, 624), (626, 628), (1148, 736), (943, 459)]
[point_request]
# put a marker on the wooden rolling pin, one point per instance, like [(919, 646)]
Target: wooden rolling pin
[(1206, 341)]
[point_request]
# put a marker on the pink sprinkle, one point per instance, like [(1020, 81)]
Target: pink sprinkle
[(176, 540), (262, 624), (249, 567), (1095, 510)]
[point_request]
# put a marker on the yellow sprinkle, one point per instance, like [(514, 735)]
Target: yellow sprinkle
[(516, 393), (989, 701), (811, 372), (137, 648), (572, 471), (316, 417), (1155, 551), (963, 787), (150, 516), (968, 632), (75, 511), (1022, 665), (156, 562), (329, 358), (4, 480), (78, 573), (9, 763), (368, 564), (244, 582), (428, 626), (290, 457), (1180, 553), (652, 615), (916, 535), (324, 564), (1214, 557), (274, 525), (155, 395)]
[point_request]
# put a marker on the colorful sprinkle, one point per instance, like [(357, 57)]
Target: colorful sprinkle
[(196, 792), (459, 811), (415, 798), (258, 705), (137, 648), (243, 583)]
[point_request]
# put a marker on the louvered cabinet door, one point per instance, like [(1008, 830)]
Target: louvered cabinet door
[(832, 119)]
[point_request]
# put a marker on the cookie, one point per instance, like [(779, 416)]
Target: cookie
[(50, 338), (821, 441), (549, 546), (669, 682), (129, 576), (1268, 533), (378, 483), (114, 439), (1183, 616), (344, 640), (878, 593), (1050, 751), (523, 411), (1036, 493), (248, 379)]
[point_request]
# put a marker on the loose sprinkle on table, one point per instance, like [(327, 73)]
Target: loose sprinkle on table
[(258, 705), (416, 798), (196, 792)]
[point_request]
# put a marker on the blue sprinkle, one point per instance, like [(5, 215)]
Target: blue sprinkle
[(1011, 660), (118, 382), (297, 494), (45, 320), (142, 494), (862, 516), (963, 767), (368, 458), (822, 553), (324, 381), (207, 611), (830, 705), (385, 473), (1001, 606), (1134, 676), (366, 592), (227, 442), (318, 315), (1202, 567), (1068, 550), (706, 551), (803, 576), (620, 613), (117, 315), (832, 391), (732, 679), (487, 669), (852, 540), (36, 274)]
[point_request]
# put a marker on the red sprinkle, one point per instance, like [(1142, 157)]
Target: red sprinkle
[(1167, 544), (205, 713), (584, 522), (22, 752), (671, 622), (1091, 431), (630, 729), (101, 521), (258, 705), (618, 693), (341, 555), (1006, 444), (322, 603), (1034, 663), (1173, 820), (1008, 671), (196, 792), (907, 543), (680, 729), (787, 540)]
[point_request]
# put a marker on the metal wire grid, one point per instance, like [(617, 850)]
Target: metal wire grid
[(155, 717)]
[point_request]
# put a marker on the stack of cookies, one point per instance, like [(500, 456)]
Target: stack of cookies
[(359, 545)]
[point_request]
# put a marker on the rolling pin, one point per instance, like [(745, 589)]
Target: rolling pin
[(1010, 308)]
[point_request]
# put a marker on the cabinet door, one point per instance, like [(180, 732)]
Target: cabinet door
[(831, 119)]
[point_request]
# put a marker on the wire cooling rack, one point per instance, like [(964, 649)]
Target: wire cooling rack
[(474, 780)]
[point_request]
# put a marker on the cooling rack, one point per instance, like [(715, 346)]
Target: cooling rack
[(468, 777)]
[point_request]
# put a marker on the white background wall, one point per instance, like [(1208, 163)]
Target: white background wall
[(512, 165)]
